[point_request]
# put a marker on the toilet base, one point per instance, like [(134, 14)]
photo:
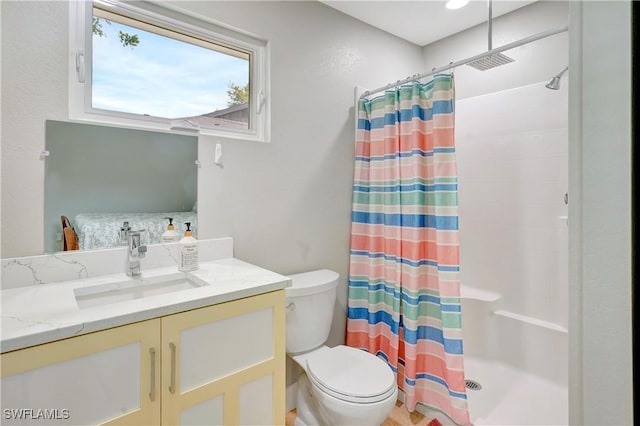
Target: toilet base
[(309, 411)]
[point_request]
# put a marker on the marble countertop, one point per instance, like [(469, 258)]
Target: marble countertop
[(44, 313)]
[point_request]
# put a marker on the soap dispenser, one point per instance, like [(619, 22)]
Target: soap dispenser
[(170, 235), (188, 251)]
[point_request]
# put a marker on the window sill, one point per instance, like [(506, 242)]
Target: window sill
[(162, 126)]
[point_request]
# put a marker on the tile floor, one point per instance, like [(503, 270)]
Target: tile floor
[(398, 417)]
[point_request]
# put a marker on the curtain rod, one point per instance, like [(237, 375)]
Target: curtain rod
[(468, 60)]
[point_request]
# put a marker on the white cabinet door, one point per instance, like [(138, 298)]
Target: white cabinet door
[(111, 376), (225, 363)]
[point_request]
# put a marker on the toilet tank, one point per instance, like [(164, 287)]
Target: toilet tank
[(310, 302)]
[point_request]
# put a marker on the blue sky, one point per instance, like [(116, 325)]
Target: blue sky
[(160, 76)]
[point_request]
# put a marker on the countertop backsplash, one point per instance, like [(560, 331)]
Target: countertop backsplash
[(64, 266)]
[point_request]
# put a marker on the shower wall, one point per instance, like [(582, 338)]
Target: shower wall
[(511, 138), (512, 156)]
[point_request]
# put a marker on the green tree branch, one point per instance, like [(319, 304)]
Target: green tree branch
[(126, 39), (237, 95)]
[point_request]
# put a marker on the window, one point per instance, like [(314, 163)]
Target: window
[(160, 69)]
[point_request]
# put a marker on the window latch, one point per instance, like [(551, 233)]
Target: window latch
[(80, 65), (261, 100)]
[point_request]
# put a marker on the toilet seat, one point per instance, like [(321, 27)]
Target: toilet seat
[(351, 374)]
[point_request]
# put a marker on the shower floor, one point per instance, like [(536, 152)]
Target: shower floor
[(512, 397)]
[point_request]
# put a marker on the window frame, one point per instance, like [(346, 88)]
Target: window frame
[(80, 71)]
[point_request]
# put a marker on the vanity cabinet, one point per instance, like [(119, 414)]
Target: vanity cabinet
[(84, 380), (225, 364), (221, 364)]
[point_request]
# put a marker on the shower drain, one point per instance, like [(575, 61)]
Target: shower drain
[(472, 384)]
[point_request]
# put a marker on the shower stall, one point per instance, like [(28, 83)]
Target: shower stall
[(512, 161), (512, 152), (512, 169)]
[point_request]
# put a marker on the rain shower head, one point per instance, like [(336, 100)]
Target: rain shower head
[(491, 60), (554, 83)]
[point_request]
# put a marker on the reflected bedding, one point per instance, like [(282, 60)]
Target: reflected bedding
[(101, 230)]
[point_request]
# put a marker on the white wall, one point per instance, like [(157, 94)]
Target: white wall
[(512, 152), (286, 204), (34, 89), (601, 380), (534, 62)]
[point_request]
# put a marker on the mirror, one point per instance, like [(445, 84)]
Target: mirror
[(98, 177)]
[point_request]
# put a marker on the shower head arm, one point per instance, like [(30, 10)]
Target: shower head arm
[(489, 26), (562, 72)]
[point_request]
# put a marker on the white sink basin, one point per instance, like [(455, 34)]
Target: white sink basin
[(135, 288)]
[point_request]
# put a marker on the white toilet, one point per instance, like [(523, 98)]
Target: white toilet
[(339, 386)]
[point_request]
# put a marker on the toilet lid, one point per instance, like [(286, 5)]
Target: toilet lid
[(351, 374)]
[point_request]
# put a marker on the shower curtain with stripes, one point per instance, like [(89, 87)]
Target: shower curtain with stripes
[(404, 290)]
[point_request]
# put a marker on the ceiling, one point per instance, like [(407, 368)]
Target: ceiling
[(422, 21)]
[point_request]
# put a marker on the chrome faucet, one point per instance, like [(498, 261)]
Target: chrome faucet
[(135, 251)]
